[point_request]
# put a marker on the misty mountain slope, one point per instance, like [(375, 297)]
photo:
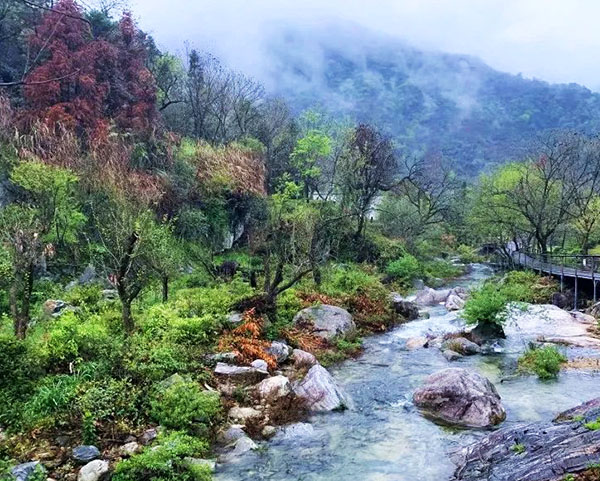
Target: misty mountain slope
[(430, 102)]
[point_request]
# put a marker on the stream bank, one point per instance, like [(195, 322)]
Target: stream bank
[(384, 438)]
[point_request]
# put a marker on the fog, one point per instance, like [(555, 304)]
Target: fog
[(553, 40)]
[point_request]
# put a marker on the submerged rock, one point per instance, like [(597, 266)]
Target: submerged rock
[(416, 343), (550, 450), (451, 355), (328, 321), (460, 397), (486, 332), (462, 346), (231, 434), (321, 392)]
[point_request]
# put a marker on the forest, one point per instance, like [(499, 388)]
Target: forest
[(165, 221)]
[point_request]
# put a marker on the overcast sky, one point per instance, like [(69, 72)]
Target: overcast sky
[(554, 40)]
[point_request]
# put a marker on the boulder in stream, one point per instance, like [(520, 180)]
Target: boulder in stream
[(408, 310), (548, 451), (320, 391), (462, 346), (328, 321), (460, 397)]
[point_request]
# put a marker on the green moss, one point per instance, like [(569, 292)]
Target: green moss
[(593, 425), (518, 448)]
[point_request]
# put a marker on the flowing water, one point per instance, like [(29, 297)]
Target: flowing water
[(384, 438)]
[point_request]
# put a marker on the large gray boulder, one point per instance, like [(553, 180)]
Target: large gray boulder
[(274, 388), (462, 346), (328, 321), (548, 450), (408, 310), (460, 397), (320, 391)]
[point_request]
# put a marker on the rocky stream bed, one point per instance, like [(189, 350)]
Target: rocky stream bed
[(381, 434)]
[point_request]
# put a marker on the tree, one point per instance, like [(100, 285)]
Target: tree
[(123, 234), (288, 239), (46, 218), (310, 148), (554, 185), (368, 168), (166, 254)]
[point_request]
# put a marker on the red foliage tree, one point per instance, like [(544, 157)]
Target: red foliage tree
[(67, 87), (85, 84)]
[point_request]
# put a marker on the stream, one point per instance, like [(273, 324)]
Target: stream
[(384, 438)]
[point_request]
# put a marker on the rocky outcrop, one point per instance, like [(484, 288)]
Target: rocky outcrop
[(327, 321), (548, 323), (460, 397), (408, 310), (320, 391), (547, 451)]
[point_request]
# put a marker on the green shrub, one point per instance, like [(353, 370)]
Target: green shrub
[(183, 405), (166, 462), (526, 286), (486, 305), (543, 361), (441, 269), (288, 304), (348, 279), (405, 268), (216, 301), (52, 402), (468, 254), (86, 296), (153, 359)]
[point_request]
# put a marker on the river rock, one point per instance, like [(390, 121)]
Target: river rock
[(240, 447), (408, 310), (243, 414), (454, 303), (274, 388), (320, 391), (460, 397), (303, 359), (328, 321), (85, 454), (548, 323), (93, 471), (551, 449), (462, 346), (240, 373), (431, 297), (486, 332), (296, 433), (280, 351), (231, 434), (268, 432), (451, 355), (416, 343), (27, 471)]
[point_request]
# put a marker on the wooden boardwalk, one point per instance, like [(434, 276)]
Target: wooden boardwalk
[(565, 267)]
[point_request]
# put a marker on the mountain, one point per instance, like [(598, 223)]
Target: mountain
[(428, 101)]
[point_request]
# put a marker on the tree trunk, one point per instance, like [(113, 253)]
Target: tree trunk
[(126, 314), (165, 288), (20, 314)]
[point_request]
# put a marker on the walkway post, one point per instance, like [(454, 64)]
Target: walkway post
[(562, 274), (575, 300), (594, 277)]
